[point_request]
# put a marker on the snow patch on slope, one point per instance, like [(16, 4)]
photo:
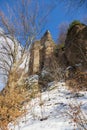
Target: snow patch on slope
[(48, 112)]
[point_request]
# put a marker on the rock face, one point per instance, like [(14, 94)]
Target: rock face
[(41, 54), (74, 52), (76, 45)]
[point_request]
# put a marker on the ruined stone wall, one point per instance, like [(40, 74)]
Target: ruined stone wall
[(48, 54), (36, 61), (31, 61), (48, 45), (41, 54), (36, 57)]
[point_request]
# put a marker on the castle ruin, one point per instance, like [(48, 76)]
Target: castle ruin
[(41, 54)]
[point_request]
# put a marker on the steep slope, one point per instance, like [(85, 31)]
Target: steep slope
[(54, 110), (29, 101)]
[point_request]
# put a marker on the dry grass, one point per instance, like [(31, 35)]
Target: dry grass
[(78, 82), (10, 107), (12, 99), (77, 116)]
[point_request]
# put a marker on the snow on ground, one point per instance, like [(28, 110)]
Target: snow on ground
[(49, 112)]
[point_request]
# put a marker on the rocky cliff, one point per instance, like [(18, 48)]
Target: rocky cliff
[(76, 46), (72, 57), (76, 54)]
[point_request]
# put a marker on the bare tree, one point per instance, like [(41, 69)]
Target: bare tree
[(23, 24), (26, 20), (9, 50)]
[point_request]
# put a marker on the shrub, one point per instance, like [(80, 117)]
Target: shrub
[(75, 22)]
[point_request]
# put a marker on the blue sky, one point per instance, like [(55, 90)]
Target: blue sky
[(56, 17), (62, 15)]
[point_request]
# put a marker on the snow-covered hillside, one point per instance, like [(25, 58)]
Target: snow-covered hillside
[(55, 109)]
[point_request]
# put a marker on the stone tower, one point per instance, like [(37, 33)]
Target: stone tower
[(34, 64), (49, 45), (41, 54)]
